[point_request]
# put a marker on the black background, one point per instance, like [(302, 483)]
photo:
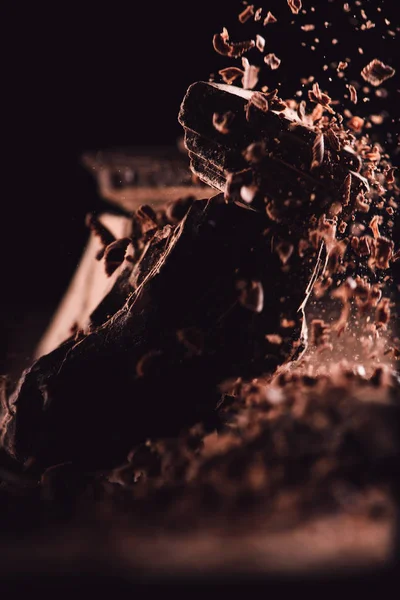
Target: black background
[(90, 76)]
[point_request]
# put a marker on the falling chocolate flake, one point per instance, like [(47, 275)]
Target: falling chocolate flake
[(383, 252), (274, 338), (353, 94), (308, 27), (342, 65), (382, 313), (259, 100), (361, 203), (257, 14), (223, 121), (356, 124), (223, 46), (229, 74), (390, 175), (247, 13), (269, 19), (295, 6), (250, 75), (374, 226), (255, 152), (284, 250), (333, 139), (319, 333), (260, 42), (318, 150), (272, 61), (347, 189), (251, 295), (193, 339), (148, 363), (319, 97), (301, 110), (376, 72)]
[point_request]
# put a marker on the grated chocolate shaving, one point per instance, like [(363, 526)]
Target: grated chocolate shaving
[(319, 333), (347, 189), (318, 150), (353, 94), (257, 14), (383, 252), (342, 65), (333, 139), (269, 19), (260, 42), (247, 13), (390, 175), (250, 75), (356, 124), (223, 46), (229, 74), (295, 6), (319, 97), (251, 295), (223, 121), (255, 152), (382, 313), (272, 61), (376, 72), (374, 226)]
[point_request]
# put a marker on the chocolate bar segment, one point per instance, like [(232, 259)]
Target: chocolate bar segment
[(284, 172)]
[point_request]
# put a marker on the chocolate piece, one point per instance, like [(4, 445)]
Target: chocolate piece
[(133, 377), (284, 172)]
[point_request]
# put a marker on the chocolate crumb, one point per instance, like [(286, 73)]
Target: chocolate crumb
[(318, 150), (148, 363), (247, 13), (255, 152), (223, 46), (272, 61), (390, 175), (274, 338), (269, 19), (295, 6), (284, 250), (319, 333), (251, 295), (376, 72), (353, 94), (383, 252), (342, 65), (257, 14), (333, 139), (222, 122), (229, 74), (260, 42), (356, 124), (382, 313)]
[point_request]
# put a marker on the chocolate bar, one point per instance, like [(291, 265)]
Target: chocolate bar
[(209, 291), (130, 177)]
